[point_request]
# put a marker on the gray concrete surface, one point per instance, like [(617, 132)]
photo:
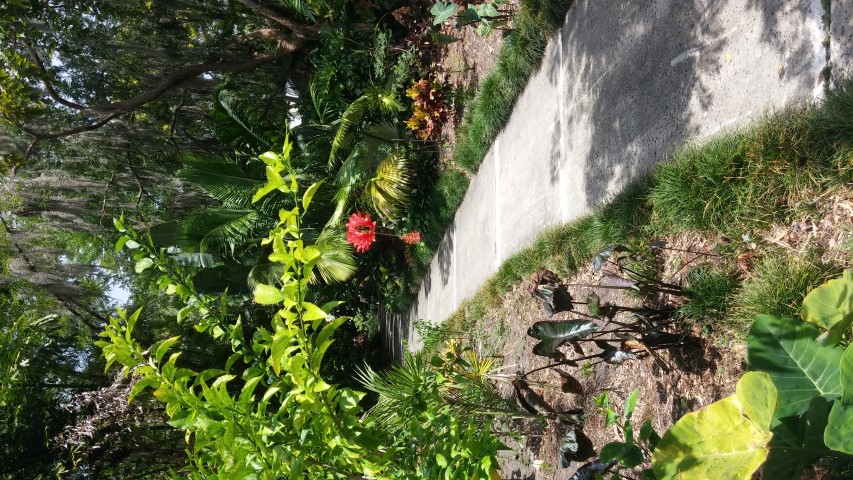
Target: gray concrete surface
[(621, 85), (841, 39)]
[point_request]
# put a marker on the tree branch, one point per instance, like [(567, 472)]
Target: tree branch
[(190, 72), (43, 73), (300, 29)]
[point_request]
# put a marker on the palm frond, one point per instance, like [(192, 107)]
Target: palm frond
[(383, 100), (220, 177), (389, 189), (224, 102), (336, 263), (384, 130), (319, 91), (301, 7), (398, 388), (350, 173), (354, 113), (223, 230)]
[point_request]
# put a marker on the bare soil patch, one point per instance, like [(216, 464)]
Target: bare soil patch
[(702, 370)]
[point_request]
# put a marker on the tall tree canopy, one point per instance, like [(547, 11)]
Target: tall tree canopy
[(75, 67)]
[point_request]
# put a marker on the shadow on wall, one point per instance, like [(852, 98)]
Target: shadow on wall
[(395, 328), (640, 71)]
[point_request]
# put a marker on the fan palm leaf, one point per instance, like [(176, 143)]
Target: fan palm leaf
[(388, 189)]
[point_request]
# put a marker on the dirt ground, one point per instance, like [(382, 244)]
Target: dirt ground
[(462, 66), (702, 370)]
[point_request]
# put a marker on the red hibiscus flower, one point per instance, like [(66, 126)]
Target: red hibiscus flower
[(361, 231)]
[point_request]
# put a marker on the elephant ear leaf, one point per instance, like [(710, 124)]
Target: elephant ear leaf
[(837, 435), (830, 307), (799, 367), (727, 439), (564, 330)]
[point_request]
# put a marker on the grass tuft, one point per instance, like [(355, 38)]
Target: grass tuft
[(777, 286), (711, 292)]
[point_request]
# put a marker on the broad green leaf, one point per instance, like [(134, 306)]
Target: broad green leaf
[(718, 441), (793, 449), (144, 264), (846, 369), (800, 369), (830, 303), (564, 330), (753, 393), (442, 11), (312, 312), (268, 295), (486, 10), (839, 430), (647, 432), (628, 455), (199, 260)]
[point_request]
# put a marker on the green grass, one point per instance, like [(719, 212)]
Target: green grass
[(778, 285), (711, 292), (737, 183)]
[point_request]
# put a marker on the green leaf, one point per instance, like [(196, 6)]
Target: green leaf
[(199, 260), (486, 10), (441, 460), (309, 194), (121, 242), (830, 303), (268, 295), (752, 393), (846, 369), (564, 330), (838, 435), (132, 244), (800, 369), (648, 433), (442, 11), (793, 449), (630, 404), (144, 264), (628, 455), (718, 441), (119, 224), (163, 347)]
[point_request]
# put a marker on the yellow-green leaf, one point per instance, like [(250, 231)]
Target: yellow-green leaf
[(268, 295), (720, 440)]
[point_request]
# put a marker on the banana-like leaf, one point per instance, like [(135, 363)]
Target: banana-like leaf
[(727, 439), (800, 368), (198, 260)]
